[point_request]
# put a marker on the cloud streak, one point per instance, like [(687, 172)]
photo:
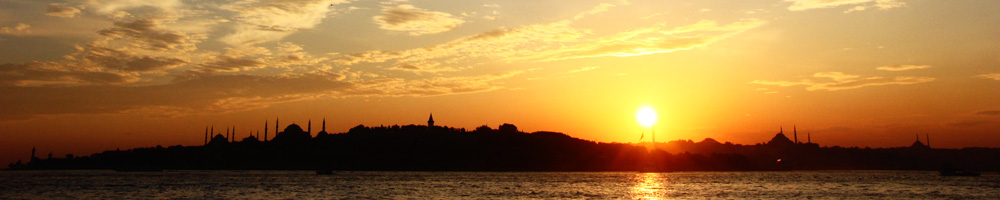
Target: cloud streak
[(800, 5), (902, 67), (416, 21), (59, 10), (841, 81), (994, 76)]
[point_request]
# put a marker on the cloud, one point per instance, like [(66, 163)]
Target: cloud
[(58, 10), (227, 63), (505, 43), (123, 60), (841, 81), (584, 69), (989, 112), (115, 7), (222, 93), (994, 76), (271, 20), (33, 74), (653, 40), (20, 28), (442, 85), (902, 67), (149, 34), (800, 5), (560, 41), (416, 21), (599, 9)]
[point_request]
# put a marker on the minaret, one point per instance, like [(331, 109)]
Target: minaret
[(324, 125), (234, 134), (227, 134), (781, 129), (32, 154), (265, 130), (795, 132), (206, 135), (213, 130), (275, 127), (809, 137), (430, 121), (309, 127)]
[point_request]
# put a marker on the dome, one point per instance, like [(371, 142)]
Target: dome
[(294, 128)]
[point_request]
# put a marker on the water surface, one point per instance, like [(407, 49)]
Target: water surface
[(493, 185)]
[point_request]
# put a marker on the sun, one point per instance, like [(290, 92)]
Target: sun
[(646, 116)]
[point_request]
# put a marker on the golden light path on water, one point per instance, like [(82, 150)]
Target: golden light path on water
[(648, 186)]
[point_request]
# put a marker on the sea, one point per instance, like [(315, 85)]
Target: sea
[(494, 185)]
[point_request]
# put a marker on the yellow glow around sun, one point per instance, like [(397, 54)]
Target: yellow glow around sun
[(646, 116)]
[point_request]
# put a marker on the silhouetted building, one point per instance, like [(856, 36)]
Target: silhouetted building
[(218, 139), (292, 134), (510, 128), (780, 139), (322, 131), (430, 121), (918, 145)]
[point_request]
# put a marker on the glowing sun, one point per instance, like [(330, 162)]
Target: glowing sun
[(646, 116)]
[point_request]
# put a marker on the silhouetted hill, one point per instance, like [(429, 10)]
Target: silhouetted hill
[(437, 148)]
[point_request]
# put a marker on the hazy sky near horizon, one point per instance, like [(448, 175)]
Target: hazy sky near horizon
[(82, 76)]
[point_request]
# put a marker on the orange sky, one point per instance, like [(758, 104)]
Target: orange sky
[(82, 77)]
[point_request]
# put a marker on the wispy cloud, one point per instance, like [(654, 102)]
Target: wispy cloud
[(416, 21), (989, 112), (20, 28), (584, 69), (213, 93), (841, 81), (994, 76), (800, 5), (149, 34), (59, 10), (902, 67), (271, 20)]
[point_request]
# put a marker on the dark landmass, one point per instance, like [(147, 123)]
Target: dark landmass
[(437, 148)]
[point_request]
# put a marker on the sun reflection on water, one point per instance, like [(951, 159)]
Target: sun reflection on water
[(648, 186)]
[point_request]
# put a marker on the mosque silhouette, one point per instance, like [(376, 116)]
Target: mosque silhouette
[(431, 147)]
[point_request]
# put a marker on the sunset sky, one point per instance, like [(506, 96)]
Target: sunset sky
[(83, 76)]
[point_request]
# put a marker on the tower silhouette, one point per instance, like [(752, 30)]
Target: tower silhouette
[(309, 127), (275, 127), (795, 132), (206, 135), (324, 125), (32, 153), (430, 121), (265, 130), (809, 137)]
